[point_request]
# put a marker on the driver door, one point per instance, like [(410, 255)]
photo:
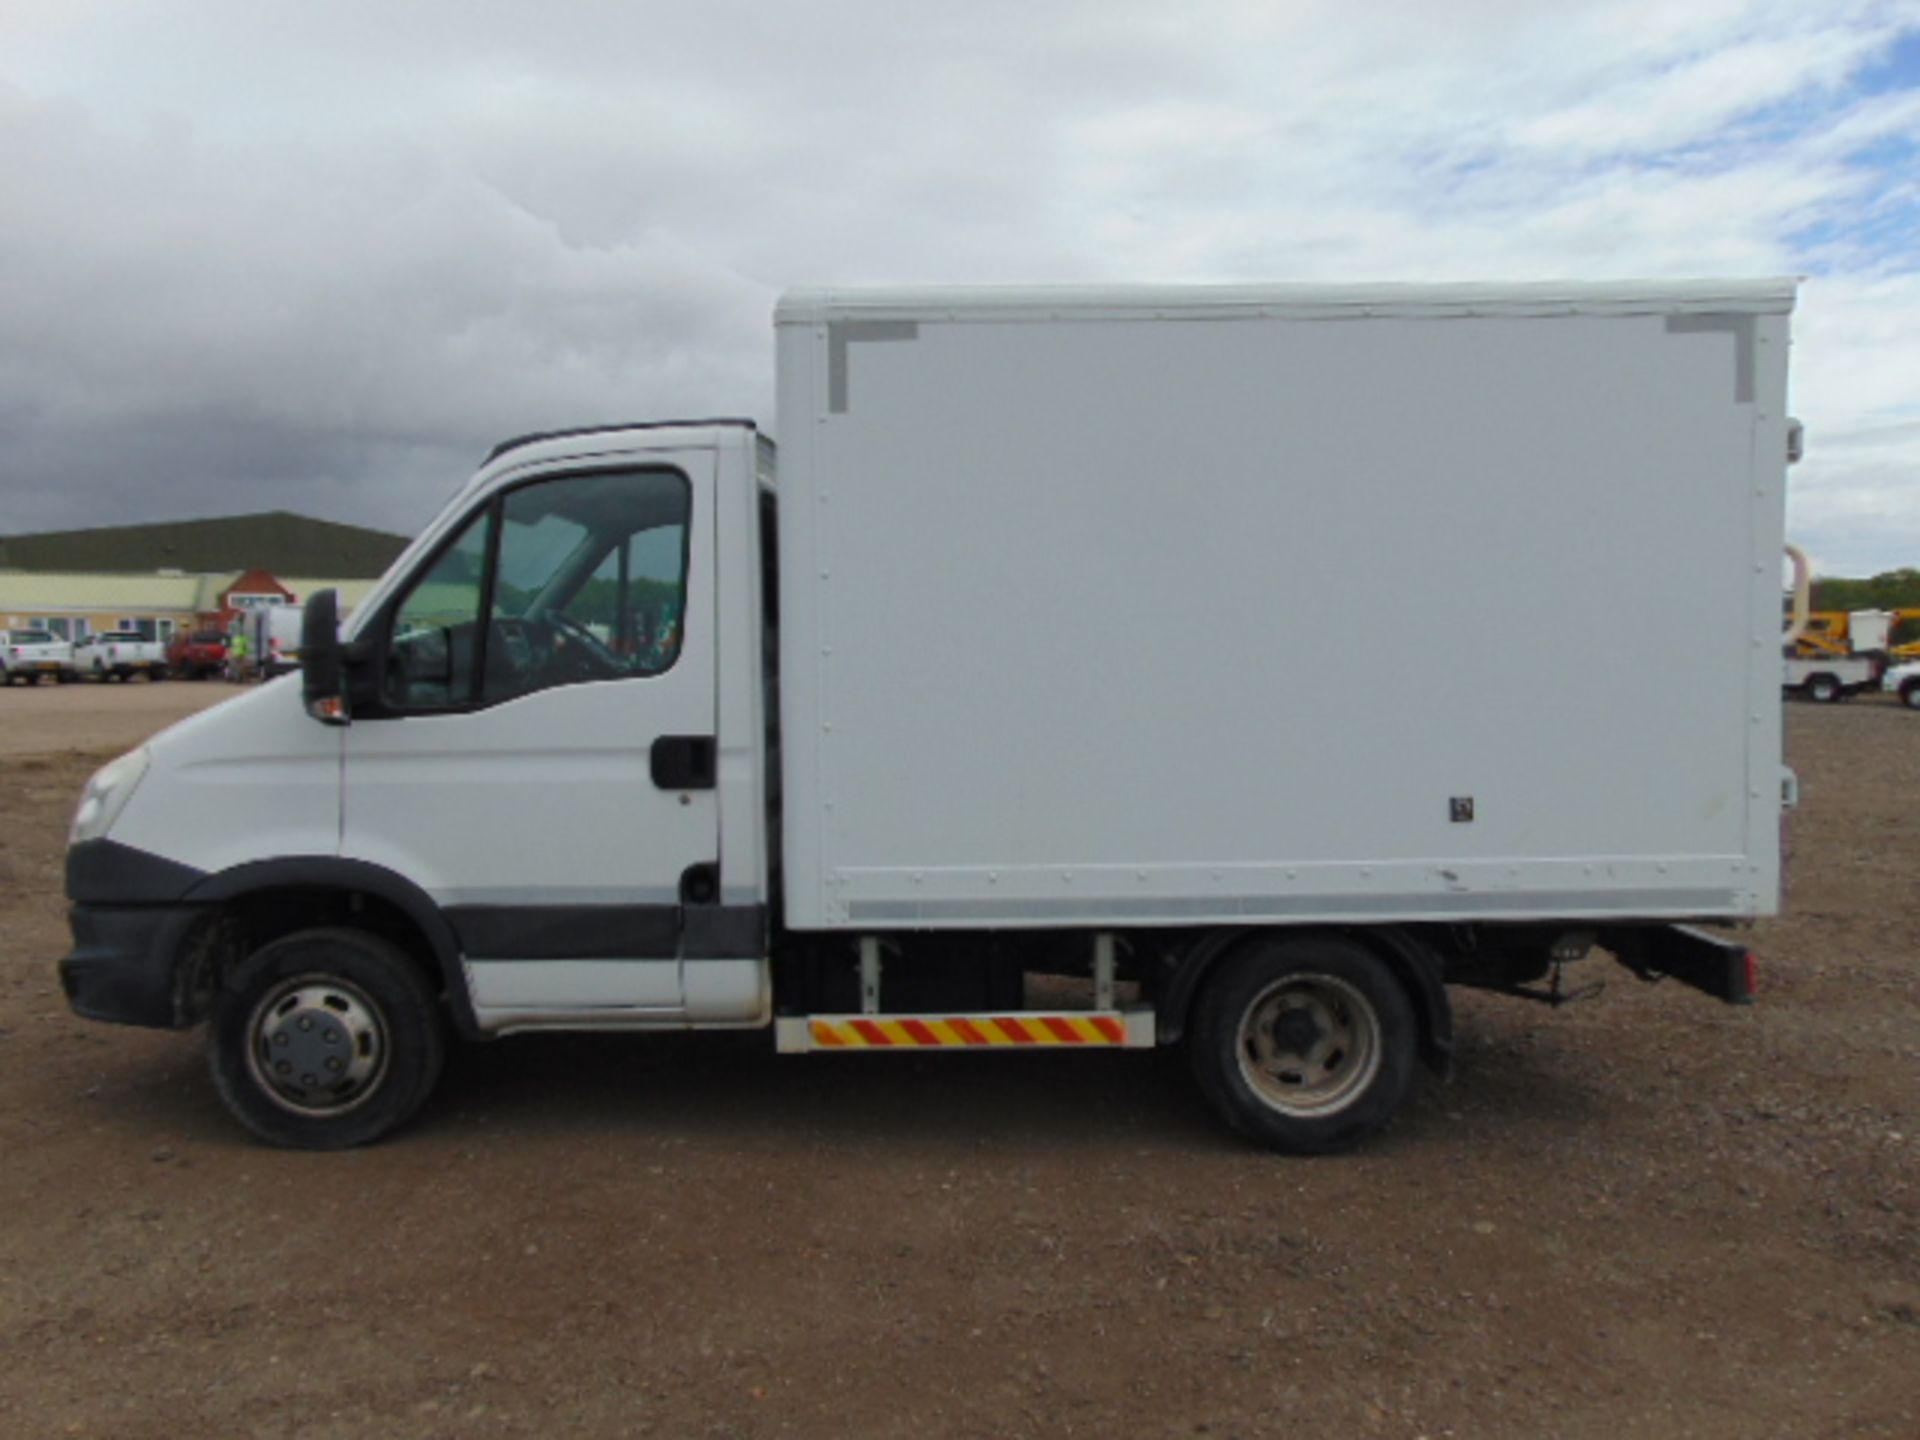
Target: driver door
[(508, 767)]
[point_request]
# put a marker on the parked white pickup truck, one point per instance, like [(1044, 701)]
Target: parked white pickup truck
[(1828, 679), (32, 655), (120, 655), (1904, 681)]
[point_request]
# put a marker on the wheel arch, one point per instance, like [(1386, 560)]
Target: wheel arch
[(1414, 962), (266, 899)]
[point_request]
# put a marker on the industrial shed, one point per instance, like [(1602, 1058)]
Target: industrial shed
[(163, 578)]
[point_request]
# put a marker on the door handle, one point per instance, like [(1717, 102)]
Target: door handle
[(684, 762)]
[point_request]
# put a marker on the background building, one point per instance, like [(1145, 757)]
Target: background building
[(160, 579)]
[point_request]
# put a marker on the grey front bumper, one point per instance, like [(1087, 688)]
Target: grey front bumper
[(122, 967)]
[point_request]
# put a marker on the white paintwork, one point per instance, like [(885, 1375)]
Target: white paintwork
[(744, 471), (252, 778), (1025, 304), (117, 652), (19, 657), (549, 799), (1854, 672), (1869, 630), (1176, 606), (273, 638), (1118, 607), (545, 800), (515, 995)]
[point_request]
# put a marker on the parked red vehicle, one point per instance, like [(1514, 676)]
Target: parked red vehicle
[(197, 655)]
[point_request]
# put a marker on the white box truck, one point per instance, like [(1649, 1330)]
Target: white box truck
[(1050, 646)]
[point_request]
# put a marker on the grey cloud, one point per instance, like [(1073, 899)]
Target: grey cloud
[(260, 253), (245, 332)]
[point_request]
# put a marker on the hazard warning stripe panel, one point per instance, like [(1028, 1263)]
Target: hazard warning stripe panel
[(1029, 1029)]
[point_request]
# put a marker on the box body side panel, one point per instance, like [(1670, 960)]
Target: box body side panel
[(1153, 621)]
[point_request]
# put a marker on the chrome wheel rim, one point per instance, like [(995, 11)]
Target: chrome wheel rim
[(1309, 1044), (317, 1045)]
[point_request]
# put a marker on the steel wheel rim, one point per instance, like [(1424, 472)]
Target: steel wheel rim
[(1309, 1044), (317, 1046)]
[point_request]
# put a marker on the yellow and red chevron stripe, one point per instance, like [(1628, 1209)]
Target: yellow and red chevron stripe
[(880, 1032)]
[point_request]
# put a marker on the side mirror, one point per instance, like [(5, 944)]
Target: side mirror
[(323, 678)]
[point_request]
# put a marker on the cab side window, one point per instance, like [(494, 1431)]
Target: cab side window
[(431, 653), (591, 581), (563, 581), (633, 599)]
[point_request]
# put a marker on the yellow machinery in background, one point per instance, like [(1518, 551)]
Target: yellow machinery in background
[(1839, 633)]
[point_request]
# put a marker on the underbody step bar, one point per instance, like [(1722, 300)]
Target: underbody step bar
[(1128, 1029)]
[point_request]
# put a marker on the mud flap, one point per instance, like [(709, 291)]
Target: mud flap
[(1724, 969)]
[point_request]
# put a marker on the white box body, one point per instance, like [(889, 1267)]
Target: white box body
[(1138, 607)]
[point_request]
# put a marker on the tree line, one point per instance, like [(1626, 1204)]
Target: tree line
[(1893, 590)]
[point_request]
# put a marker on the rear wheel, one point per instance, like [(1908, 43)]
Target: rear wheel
[(1824, 689), (1910, 694), (326, 1039), (1305, 1046)]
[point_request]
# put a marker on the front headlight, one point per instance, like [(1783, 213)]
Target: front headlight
[(106, 796)]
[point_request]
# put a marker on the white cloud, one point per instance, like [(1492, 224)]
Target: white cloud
[(262, 252)]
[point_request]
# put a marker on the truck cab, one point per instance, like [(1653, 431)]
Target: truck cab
[(553, 786)]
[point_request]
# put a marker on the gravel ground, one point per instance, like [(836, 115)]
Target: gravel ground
[(1646, 1215), (97, 715)]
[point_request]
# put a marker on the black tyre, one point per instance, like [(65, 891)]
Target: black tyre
[(326, 1039), (1823, 689), (33, 677), (1305, 1046), (1910, 694)]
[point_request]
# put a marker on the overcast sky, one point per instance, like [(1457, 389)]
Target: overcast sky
[(320, 256)]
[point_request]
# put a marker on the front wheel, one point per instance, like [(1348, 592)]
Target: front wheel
[(1910, 694), (1823, 689), (326, 1039), (1306, 1046)]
